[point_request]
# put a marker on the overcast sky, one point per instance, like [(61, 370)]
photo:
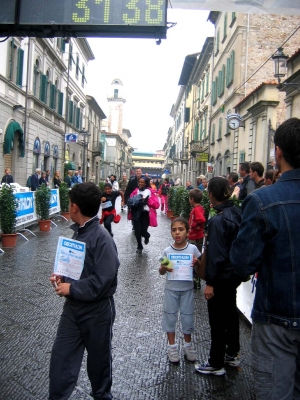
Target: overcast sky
[(150, 75)]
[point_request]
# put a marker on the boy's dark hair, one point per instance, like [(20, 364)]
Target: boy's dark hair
[(196, 195), (167, 180), (87, 196), (182, 220), (287, 137), (108, 185), (219, 188), (234, 176), (245, 166), (257, 167), (269, 174)]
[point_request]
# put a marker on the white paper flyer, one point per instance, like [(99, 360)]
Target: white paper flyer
[(69, 258), (182, 267)]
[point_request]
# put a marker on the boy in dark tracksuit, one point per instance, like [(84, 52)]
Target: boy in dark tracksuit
[(89, 312)]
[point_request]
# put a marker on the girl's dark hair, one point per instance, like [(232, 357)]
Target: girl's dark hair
[(147, 181), (183, 221), (219, 187)]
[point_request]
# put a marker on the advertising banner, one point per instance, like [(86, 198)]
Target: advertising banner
[(26, 212)]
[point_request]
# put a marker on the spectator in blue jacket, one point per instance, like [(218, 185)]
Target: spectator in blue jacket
[(268, 243)]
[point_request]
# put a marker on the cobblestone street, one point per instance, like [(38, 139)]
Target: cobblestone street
[(29, 314)]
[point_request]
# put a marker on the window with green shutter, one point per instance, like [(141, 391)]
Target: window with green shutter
[(217, 41), (201, 128), (213, 134), (225, 27), (231, 73), (62, 45), (227, 72), (202, 90), (214, 92), (233, 18), (52, 96), (83, 79), (205, 125), (77, 119), (207, 82), (70, 55), (60, 103), (242, 156), (11, 59), (196, 130), (43, 88), (77, 66), (19, 77), (71, 105)]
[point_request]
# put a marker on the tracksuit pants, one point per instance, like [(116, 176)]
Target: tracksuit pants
[(83, 326)]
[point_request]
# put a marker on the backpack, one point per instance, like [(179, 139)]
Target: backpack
[(165, 189), (136, 201), (28, 183)]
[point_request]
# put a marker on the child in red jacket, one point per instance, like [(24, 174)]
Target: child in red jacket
[(197, 219)]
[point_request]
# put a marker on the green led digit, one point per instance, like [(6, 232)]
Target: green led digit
[(81, 4), (154, 8), (106, 8), (137, 13)]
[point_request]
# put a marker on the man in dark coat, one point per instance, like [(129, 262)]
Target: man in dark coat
[(35, 179)]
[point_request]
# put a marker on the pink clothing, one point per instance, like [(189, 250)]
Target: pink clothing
[(153, 204), (164, 202)]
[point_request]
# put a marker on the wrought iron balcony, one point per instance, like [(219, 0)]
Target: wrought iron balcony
[(97, 148), (195, 147)]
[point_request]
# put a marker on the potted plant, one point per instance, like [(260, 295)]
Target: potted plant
[(8, 216), (177, 209), (186, 207), (64, 200), (42, 202), (171, 200)]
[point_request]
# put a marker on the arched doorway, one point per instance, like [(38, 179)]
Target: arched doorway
[(14, 137)]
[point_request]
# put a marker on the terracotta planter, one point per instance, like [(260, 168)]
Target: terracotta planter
[(44, 225), (66, 214), (169, 213), (173, 217), (9, 239)]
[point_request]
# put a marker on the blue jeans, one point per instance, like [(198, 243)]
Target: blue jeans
[(275, 360)]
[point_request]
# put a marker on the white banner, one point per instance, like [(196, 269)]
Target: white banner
[(286, 7)]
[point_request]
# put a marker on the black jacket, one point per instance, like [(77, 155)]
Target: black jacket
[(99, 276), (222, 230), (7, 179)]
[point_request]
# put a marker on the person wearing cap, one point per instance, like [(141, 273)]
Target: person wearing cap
[(199, 182)]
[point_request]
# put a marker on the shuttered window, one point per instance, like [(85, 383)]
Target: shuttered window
[(60, 103), (220, 128), (196, 130), (43, 88), (213, 133), (19, 77), (52, 100), (71, 105)]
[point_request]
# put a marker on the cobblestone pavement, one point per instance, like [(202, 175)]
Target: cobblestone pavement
[(29, 314)]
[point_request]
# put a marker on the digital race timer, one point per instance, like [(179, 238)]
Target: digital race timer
[(93, 12)]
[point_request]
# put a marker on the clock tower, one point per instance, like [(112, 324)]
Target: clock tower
[(116, 102)]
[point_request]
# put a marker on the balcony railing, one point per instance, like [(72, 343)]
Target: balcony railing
[(195, 147), (97, 148), (184, 156)]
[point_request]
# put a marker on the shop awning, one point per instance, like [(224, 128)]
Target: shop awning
[(70, 166), (12, 129)]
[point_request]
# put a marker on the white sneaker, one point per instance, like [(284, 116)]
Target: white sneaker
[(173, 354), (189, 352)]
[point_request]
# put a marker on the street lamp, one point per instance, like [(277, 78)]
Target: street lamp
[(280, 67), (85, 144)]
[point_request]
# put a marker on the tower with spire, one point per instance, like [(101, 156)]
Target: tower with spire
[(116, 102)]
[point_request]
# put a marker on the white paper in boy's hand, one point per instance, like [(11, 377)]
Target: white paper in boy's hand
[(69, 259), (182, 267)]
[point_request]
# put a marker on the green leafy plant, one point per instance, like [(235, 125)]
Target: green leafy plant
[(178, 202), (101, 186), (205, 203), (171, 198), (186, 207), (8, 210), (42, 202), (64, 197)]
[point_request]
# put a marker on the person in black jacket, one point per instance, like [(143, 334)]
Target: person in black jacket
[(221, 280), (7, 178), (35, 179), (89, 311), (132, 184)]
